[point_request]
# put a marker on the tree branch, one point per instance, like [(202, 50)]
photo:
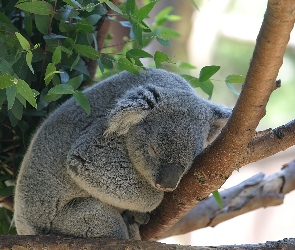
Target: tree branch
[(103, 27), (228, 152), (7, 202), (253, 193), (53, 242), (270, 143)]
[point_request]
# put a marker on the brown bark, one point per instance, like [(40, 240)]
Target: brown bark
[(7, 202), (229, 151), (253, 193), (52, 242)]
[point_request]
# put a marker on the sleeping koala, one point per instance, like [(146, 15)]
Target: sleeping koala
[(98, 175)]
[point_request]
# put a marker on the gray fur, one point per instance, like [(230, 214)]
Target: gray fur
[(97, 175)]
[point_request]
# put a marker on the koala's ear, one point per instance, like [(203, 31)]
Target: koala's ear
[(132, 108), (220, 117)]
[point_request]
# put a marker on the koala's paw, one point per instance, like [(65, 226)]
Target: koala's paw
[(133, 220), (136, 217)]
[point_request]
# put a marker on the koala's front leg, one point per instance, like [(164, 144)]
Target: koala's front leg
[(133, 220)]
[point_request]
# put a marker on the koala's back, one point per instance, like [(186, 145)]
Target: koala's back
[(43, 185)]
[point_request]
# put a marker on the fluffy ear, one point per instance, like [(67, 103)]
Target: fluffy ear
[(133, 107), (220, 116)]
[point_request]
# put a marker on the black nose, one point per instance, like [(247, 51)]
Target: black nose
[(169, 176)]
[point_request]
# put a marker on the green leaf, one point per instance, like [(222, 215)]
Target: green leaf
[(42, 23), (160, 57), (207, 87), (17, 109), (87, 51), (218, 198), (76, 81), (125, 64), (107, 61), (166, 33), (5, 68), (235, 79), (133, 55), (113, 7), (28, 24), (162, 16), (89, 7), (24, 89), (61, 89), (51, 98), (6, 191), (185, 65), (29, 57), (75, 62), (10, 94), (21, 99), (163, 42), (23, 41), (74, 3), (143, 12), (56, 57), (13, 120), (82, 100), (139, 53), (38, 7), (93, 19), (207, 71), (6, 81), (137, 32), (84, 26), (232, 89), (50, 72), (130, 7)]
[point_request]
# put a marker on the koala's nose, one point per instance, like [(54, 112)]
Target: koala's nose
[(169, 176)]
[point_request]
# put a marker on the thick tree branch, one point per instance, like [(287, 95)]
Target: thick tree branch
[(215, 164), (52, 242), (253, 193)]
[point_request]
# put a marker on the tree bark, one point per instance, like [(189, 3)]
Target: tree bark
[(253, 193), (103, 27), (51, 242), (230, 150)]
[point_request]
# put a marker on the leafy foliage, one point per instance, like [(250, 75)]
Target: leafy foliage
[(46, 47)]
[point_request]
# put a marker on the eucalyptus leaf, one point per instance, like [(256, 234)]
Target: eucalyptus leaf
[(29, 57), (217, 198), (24, 89), (37, 7), (125, 64), (42, 23), (208, 71), (23, 41), (87, 51), (82, 100)]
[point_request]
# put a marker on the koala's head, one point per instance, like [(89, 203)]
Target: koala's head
[(163, 130)]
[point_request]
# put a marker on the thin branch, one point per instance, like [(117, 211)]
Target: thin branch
[(270, 143), (253, 193), (215, 164), (103, 28), (7, 202)]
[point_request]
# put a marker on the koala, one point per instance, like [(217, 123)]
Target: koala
[(99, 175)]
